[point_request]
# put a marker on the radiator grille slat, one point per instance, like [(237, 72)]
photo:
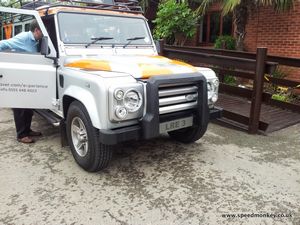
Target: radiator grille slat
[(177, 91), (177, 98)]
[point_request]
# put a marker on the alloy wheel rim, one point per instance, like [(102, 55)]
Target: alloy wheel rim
[(79, 136)]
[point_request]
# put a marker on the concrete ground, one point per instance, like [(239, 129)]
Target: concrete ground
[(224, 176)]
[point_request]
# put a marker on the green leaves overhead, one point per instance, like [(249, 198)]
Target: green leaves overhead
[(174, 18), (230, 5), (282, 5)]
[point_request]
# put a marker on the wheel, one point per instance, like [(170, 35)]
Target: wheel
[(189, 134), (83, 139)]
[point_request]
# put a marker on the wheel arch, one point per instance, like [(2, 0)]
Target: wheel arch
[(86, 99)]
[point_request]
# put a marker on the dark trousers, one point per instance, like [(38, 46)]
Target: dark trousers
[(23, 118)]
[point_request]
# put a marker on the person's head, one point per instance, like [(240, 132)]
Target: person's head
[(36, 30)]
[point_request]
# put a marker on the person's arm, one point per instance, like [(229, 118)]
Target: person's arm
[(16, 43), (5, 44)]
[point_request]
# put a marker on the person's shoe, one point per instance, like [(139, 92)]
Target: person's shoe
[(34, 134), (25, 140)]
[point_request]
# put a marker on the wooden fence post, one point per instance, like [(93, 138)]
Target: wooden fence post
[(261, 56)]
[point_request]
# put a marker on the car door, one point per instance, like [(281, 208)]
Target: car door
[(27, 80)]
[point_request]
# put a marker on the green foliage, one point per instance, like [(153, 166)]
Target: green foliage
[(281, 97), (17, 4), (230, 80), (278, 91), (144, 4), (8, 2), (279, 73), (174, 18), (231, 5), (281, 93), (225, 42)]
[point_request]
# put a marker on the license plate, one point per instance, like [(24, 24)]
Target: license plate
[(176, 124)]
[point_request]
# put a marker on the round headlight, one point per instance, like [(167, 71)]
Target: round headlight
[(132, 100), (121, 112), (119, 94), (216, 83), (209, 87)]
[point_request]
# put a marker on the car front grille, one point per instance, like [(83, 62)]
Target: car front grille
[(177, 98)]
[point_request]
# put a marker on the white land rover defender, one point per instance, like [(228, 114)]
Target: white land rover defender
[(99, 77)]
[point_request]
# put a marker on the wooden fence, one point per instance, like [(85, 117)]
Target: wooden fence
[(256, 67)]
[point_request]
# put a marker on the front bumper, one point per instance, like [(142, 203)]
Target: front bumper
[(149, 126), (135, 133)]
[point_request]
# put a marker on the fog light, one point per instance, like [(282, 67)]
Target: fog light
[(121, 112), (214, 98)]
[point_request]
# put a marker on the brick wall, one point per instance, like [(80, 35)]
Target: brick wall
[(279, 32), (215, 7)]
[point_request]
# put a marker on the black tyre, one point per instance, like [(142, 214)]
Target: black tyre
[(188, 135), (83, 139)]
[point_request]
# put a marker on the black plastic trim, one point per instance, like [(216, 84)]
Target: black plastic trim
[(150, 122), (215, 113), (61, 81), (112, 137)]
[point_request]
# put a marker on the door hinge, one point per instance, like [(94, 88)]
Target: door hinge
[(55, 102)]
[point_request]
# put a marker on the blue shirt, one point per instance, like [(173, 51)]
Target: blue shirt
[(23, 42)]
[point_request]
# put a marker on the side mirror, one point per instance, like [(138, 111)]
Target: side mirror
[(44, 46), (157, 45), (160, 46)]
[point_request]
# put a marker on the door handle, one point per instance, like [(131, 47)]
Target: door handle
[(1, 75)]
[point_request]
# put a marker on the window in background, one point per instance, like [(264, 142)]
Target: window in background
[(18, 29), (213, 25), (27, 27)]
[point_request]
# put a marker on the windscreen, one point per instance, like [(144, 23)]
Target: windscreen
[(79, 28)]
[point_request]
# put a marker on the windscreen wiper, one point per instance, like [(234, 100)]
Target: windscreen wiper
[(132, 39), (94, 40)]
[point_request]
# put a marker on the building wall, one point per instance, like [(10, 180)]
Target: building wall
[(278, 31), (215, 7)]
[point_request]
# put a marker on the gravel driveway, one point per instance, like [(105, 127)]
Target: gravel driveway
[(227, 177)]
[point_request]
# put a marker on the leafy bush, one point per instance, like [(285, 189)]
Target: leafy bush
[(225, 42), (230, 80), (281, 97), (279, 73), (175, 19)]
